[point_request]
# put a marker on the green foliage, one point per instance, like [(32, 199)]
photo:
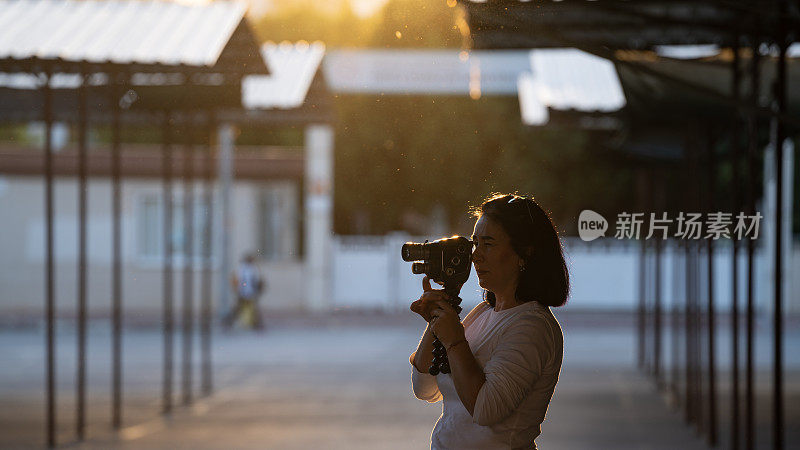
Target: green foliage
[(396, 154)]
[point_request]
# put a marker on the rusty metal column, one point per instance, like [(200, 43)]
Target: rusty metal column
[(168, 301), (50, 384), (709, 207), (206, 313), (735, 208), (188, 258), (778, 136), (752, 150), (117, 88), (80, 377)]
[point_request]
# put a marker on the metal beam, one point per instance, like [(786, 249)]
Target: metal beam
[(555, 34)]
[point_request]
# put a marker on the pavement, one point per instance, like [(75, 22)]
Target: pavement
[(339, 382)]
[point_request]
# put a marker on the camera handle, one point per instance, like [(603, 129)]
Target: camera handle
[(440, 364)]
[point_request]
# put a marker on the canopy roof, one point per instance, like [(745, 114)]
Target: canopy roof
[(293, 93), (136, 36), (568, 79), (623, 24), (293, 68)]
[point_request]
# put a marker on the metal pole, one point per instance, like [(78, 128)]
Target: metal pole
[(82, 193), (208, 194), (675, 323), (651, 317), (188, 257), (736, 207), (169, 320), (49, 282), (779, 134), (697, 316), (641, 310), (657, 309), (688, 333), (643, 190), (689, 285), (697, 371), (752, 149), (712, 381), (117, 87), (657, 313), (226, 175)]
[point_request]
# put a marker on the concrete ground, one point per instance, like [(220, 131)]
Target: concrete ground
[(340, 382)]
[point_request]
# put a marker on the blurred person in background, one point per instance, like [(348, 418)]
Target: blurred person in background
[(248, 285), (505, 356)]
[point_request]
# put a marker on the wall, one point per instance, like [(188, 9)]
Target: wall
[(369, 273), (22, 240)]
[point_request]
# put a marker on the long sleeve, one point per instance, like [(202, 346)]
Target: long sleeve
[(514, 367), (424, 385)]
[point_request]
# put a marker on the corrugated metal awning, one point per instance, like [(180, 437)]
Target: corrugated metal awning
[(568, 79), (426, 72), (154, 35)]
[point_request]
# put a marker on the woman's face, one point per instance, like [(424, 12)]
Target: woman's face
[(496, 262)]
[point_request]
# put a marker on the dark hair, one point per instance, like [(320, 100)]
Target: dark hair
[(535, 239)]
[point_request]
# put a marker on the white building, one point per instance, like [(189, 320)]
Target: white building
[(269, 213)]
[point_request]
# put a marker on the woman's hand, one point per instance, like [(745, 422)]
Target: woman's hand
[(445, 323), (435, 309), (427, 301)]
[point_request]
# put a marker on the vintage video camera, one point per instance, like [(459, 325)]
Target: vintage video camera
[(446, 261)]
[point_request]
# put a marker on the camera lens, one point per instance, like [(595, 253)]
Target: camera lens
[(419, 267), (414, 252)]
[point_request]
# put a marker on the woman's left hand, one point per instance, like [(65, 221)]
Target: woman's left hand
[(445, 323)]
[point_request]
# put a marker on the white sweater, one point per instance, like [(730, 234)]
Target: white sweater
[(520, 350)]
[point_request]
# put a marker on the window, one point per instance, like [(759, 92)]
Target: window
[(278, 222), (151, 227)]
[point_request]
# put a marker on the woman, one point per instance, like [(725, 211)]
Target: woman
[(505, 357)]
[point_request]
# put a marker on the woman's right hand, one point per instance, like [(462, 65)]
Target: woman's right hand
[(427, 302)]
